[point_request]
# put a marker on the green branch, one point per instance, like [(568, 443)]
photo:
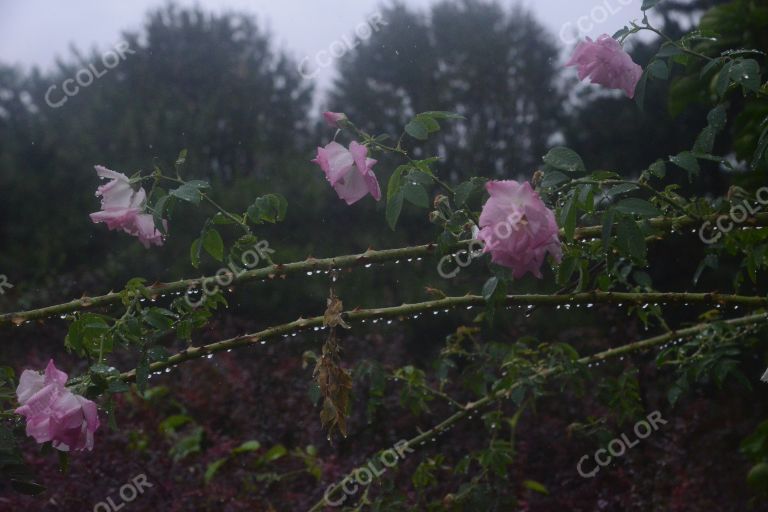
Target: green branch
[(347, 261), (595, 297)]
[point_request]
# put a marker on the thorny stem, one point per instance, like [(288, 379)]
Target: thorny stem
[(612, 353), (594, 297), (338, 262)]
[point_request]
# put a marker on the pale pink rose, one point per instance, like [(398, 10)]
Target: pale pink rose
[(517, 228), (349, 171), (332, 118), (54, 413), (122, 208), (606, 63), (146, 231)]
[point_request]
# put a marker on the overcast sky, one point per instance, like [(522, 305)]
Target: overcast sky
[(35, 32)]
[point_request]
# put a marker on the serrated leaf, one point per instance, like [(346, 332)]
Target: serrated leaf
[(417, 129), (191, 191), (268, 208), (564, 159), (394, 207), (415, 194), (687, 161), (658, 69), (213, 244), (635, 206), (631, 240)]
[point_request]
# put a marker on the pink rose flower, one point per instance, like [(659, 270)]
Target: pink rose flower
[(517, 228), (332, 118), (122, 208), (54, 413), (606, 63), (349, 171)]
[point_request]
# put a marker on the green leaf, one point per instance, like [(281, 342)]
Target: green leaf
[(275, 453), (191, 191), (248, 446), (396, 181), (157, 213), (194, 252), (607, 228), (648, 4), (535, 486), (658, 69), (668, 50), (213, 244), (716, 117), (394, 207), (417, 129), (142, 374), (705, 141), (489, 287), (420, 177), (686, 161), (564, 159), (212, 468), (568, 216), (746, 72), (268, 208), (415, 194), (566, 269), (630, 239), (658, 169), (640, 90), (723, 79), (635, 206), (553, 178), (621, 188)]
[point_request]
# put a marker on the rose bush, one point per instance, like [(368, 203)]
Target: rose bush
[(582, 233)]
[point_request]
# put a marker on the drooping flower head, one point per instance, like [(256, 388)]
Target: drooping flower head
[(606, 63), (349, 171), (53, 412), (517, 228), (122, 208), (332, 119)]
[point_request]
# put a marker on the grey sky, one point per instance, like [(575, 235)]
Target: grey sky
[(35, 32)]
